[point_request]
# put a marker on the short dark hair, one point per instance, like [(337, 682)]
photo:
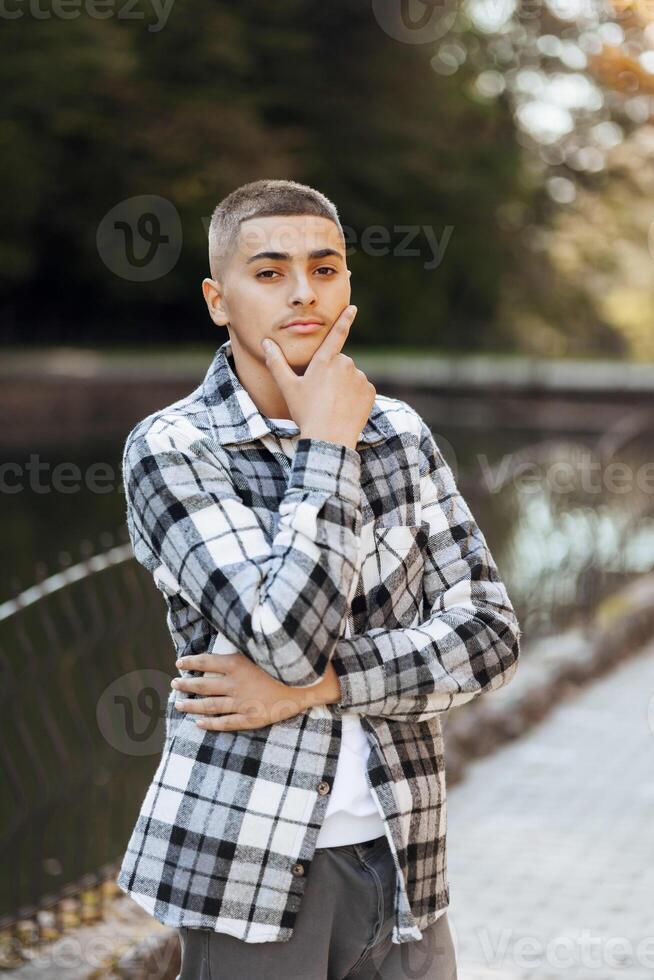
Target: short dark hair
[(259, 199)]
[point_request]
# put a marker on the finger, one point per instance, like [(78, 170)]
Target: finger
[(217, 704), (210, 683), (278, 366), (333, 342), (225, 723), (220, 663)]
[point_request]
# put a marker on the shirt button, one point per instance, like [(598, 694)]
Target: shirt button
[(298, 870), (323, 787)]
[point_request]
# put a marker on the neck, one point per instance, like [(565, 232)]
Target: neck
[(259, 383)]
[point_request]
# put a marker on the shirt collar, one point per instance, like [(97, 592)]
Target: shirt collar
[(235, 418)]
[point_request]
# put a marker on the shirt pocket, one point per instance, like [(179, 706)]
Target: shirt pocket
[(395, 574)]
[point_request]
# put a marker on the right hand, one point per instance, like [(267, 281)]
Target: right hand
[(333, 398)]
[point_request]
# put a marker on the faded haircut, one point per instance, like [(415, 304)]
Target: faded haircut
[(259, 199)]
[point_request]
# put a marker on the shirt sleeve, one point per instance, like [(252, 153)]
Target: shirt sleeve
[(282, 603), (470, 641)]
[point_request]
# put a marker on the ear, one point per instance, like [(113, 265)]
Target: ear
[(213, 296)]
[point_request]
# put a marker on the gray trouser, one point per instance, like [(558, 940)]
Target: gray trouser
[(343, 929)]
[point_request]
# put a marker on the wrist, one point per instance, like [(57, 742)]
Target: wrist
[(326, 691), (326, 467)]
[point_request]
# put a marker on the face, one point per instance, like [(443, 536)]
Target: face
[(283, 268)]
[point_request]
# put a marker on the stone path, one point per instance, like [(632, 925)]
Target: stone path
[(91, 952), (551, 842)]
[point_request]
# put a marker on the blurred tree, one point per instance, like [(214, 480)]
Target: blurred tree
[(579, 80), (222, 94)]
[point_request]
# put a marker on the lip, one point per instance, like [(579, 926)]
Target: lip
[(303, 326)]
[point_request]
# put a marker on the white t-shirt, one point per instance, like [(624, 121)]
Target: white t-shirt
[(352, 814)]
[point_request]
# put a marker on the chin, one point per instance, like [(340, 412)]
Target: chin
[(299, 356), (298, 367)]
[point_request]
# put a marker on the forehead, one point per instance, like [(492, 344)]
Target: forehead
[(295, 234)]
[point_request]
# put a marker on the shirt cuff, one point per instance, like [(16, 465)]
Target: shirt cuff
[(328, 467), (361, 678)]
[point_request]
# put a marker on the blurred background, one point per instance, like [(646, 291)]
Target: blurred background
[(492, 163)]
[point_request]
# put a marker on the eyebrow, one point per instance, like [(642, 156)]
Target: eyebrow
[(319, 253)]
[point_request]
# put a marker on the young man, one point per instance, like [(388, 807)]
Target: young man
[(332, 596)]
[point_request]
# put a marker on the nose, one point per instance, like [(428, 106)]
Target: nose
[(301, 291)]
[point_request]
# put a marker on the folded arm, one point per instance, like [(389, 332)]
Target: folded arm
[(469, 642), (282, 603)]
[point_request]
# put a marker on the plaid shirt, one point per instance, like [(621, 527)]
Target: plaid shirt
[(368, 558)]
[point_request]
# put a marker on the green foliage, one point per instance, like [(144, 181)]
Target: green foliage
[(225, 93)]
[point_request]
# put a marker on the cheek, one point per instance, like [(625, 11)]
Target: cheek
[(336, 298), (249, 298), (252, 314)]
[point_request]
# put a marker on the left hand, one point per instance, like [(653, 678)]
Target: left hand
[(236, 694)]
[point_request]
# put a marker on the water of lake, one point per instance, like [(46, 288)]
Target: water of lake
[(566, 516)]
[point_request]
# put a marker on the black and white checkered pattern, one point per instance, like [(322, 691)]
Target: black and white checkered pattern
[(369, 558)]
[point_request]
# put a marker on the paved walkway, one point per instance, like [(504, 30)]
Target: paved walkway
[(551, 842)]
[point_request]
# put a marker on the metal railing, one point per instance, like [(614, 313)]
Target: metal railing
[(78, 651)]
